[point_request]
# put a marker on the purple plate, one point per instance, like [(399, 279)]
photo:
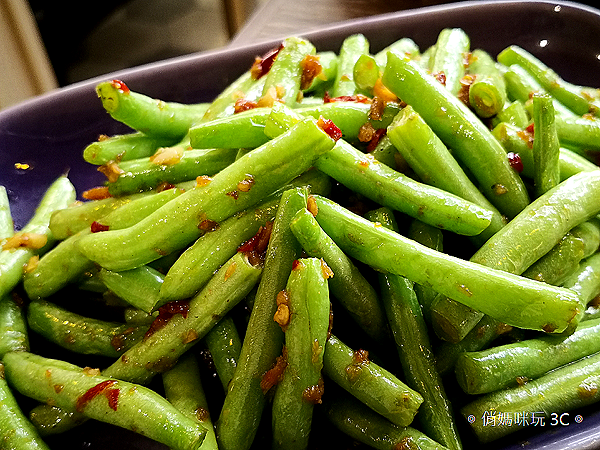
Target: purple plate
[(49, 132)]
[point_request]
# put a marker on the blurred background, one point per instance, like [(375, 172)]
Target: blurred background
[(46, 44)]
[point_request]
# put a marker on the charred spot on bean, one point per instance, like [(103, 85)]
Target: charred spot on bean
[(166, 313), (162, 365)]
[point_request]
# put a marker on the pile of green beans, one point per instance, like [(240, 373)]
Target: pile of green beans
[(370, 238)]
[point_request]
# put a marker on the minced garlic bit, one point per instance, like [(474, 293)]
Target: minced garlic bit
[(25, 240), (230, 270), (311, 205), (167, 156), (32, 264), (326, 270), (203, 180), (91, 372), (246, 184), (111, 170)]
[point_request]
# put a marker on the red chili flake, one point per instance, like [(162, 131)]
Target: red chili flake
[(514, 159), (530, 128), (465, 87), (112, 396), (375, 139), (242, 104), (330, 128), (255, 248), (296, 264), (262, 64), (93, 392), (275, 373), (166, 312), (118, 84), (441, 77), (233, 194), (97, 227), (164, 186), (208, 225)]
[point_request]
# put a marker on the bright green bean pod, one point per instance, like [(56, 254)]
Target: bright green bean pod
[(560, 391), (161, 349), (65, 264), (416, 357), (117, 402), (487, 94), (140, 287), (184, 390), (365, 73), (247, 128), (508, 365), (197, 263), (451, 48), (13, 327), (568, 94), (370, 383), (153, 117), (351, 49), (348, 286), (459, 129), (242, 184), (17, 432), (60, 194), (81, 334), (224, 344), (491, 291), (245, 399), (385, 152), (144, 174), (404, 45), (513, 113), (6, 221), (578, 132), (546, 148), (224, 103), (68, 221), (286, 72), (368, 427), (301, 386), (427, 155), (123, 147)]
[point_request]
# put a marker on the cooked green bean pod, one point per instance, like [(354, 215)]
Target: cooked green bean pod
[(451, 49), (123, 147), (546, 148)]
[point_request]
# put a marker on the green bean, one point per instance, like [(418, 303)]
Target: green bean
[(59, 195), (144, 174), (408, 326), (349, 287), (329, 65), (568, 94), (363, 174), (140, 287), (546, 148), (244, 183), (416, 357), (184, 390), (350, 50), (505, 366), (224, 344), (81, 334), (197, 263), (135, 316), (224, 103), (13, 327), (513, 113), (6, 221), (247, 128), (434, 164), (459, 129), (488, 290), (68, 221), (245, 399), (431, 237), (373, 385), (286, 72), (65, 264), (123, 147), (306, 327), (404, 45), (451, 48), (559, 391), (516, 140), (385, 152), (17, 432), (362, 424), (120, 403), (163, 120), (487, 94), (365, 73), (578, 132)]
